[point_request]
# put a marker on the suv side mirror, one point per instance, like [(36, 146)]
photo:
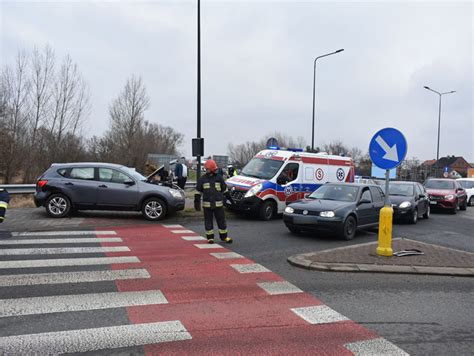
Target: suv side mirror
[(129, 183), (364, 201)]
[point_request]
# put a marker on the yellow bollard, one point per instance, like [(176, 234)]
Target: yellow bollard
[(385, 232)]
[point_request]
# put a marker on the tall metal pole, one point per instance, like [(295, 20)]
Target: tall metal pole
[(314, 91), (439, 129), (439, 124), (198, 172)]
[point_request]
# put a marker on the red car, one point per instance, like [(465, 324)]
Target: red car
[(446, 194)]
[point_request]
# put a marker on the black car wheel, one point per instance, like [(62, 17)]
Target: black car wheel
[(414, 217), (464, 205), (58, 206), (349, 228), (154, 209), (471, 201), (267, 210), (427, 213)]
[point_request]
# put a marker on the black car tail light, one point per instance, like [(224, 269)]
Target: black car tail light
[(41, 183)]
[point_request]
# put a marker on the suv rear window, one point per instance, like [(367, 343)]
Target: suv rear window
[(82, 173)]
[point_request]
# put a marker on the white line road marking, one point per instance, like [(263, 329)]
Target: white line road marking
[(193, 238), (226, 255), (319, 314), (78, 302), (182, 231), (63, 233), (61, 250), (378, 346), (62, 262), (274, 288), (176, 226), (71, 277), (94, 339), (60, 241), (208, 246), (250, 268)]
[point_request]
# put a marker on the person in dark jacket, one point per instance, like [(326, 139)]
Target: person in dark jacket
[(4, 200), (181, 172), (212, 188)]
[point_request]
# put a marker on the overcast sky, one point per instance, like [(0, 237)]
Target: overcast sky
[(257, 65)]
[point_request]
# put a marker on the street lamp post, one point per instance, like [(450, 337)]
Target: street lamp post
[(314, 89), (198, 158), (439, 121)]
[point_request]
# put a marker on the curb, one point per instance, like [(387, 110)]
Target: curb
[(301, 261)]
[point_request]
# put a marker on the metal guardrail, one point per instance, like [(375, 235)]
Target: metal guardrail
[(31, 188)]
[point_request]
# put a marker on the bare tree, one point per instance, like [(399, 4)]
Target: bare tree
[(14, 87), (127, 119)]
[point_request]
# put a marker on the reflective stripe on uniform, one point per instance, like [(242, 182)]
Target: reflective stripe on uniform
[(206, 185), (209, 232), (206, 204), (219, 204), (218, 187), (222, 231), (3, 204), (198, 193), (2, 218)]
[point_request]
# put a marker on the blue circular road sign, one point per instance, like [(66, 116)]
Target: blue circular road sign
[(388, 148)]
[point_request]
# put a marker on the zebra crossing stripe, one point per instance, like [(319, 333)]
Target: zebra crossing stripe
[(71, 277), (193, 238), (250, 268), (89, 340), (274, 288), (62, 250), (63, 233), (79, 302), (319, 314), (176, 226), (207, 246), (62, 262), (378, 346), (226, 255), (182, 231), (59, 241)]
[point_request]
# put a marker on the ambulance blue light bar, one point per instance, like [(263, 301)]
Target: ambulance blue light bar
[(273, 148), (295, 149)]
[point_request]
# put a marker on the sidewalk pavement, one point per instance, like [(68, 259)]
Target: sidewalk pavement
[(363, 258)]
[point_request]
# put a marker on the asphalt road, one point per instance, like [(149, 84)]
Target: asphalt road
[(421, 314)]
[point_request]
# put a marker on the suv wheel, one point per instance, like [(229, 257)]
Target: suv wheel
[(58, 206), (154, 209), (267, 211), (349, 228)]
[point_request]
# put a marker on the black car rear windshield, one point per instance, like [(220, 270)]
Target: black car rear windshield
[(335, 192), (405, 190), (262, 168), (439, 184)]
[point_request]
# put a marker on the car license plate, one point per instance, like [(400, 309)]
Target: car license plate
[(432, 202), (300, 220)]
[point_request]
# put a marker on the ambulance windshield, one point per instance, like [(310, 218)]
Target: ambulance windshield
[(262, 168)]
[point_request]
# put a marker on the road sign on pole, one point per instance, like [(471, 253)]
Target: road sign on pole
[(387, 150)]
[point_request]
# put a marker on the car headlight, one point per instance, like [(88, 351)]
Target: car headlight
[(254, 190), (289, 210), (176, 194), (449, 197), (327, 214), (404, 205)]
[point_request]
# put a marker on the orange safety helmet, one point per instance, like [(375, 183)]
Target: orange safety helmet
[(211, 165)]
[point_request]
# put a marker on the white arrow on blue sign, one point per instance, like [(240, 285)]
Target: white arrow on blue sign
[(388, 148)]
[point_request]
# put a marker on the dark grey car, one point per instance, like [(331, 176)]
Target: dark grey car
[(336, 207), (104, 186)]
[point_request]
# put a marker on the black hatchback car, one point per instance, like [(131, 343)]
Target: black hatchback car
[(336, 207), (409, 201), (102, 186)]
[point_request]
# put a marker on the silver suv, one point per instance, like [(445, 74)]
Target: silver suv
[(68, 187)]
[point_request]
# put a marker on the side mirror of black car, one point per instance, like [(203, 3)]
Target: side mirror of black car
[(129, 182), (364, 201), (422, 196)]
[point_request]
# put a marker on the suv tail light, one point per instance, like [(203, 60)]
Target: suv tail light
[(41, 183)]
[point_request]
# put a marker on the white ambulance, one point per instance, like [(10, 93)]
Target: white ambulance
[(277, 177)]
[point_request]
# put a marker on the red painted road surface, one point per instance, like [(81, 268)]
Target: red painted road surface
[(225, 311)]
